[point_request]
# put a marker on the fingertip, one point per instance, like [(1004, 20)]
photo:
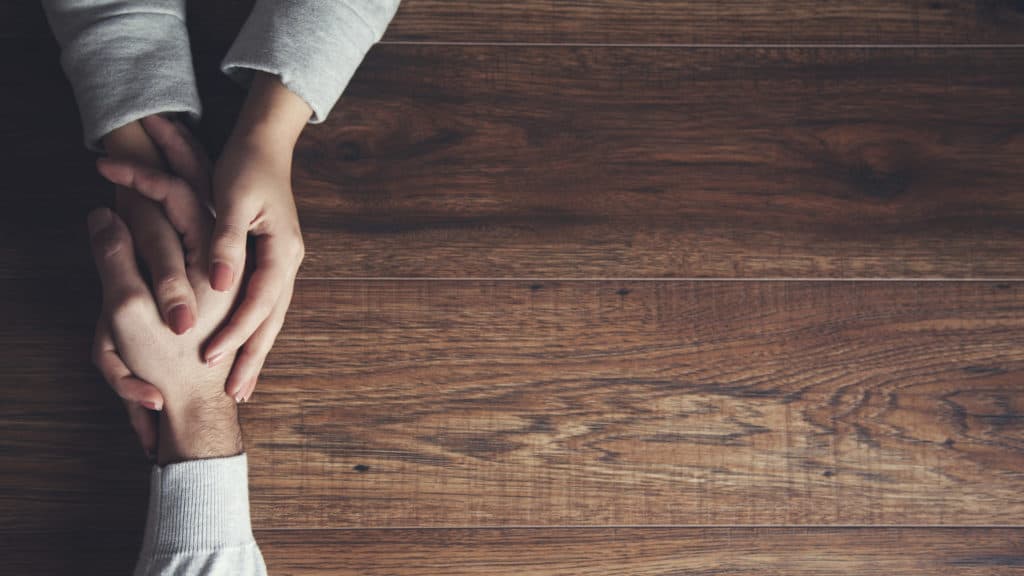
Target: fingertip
[(114, 171), (99, 219), (221, 276), (251, 389), (180, 319), (214, 357)]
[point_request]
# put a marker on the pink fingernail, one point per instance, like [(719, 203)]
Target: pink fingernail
[(221, 276), (214, 359), (154, 406), (180, 319)]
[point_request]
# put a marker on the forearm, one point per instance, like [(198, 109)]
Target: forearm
[(198, 520), (199, 428), (271, 119), (314, 47)]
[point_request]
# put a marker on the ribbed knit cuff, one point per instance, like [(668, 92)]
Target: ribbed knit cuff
[(127, 66), (314, 47), (199, 505)]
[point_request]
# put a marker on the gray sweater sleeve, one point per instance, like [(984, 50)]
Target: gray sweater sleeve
[(125, 59), (313, 46), (198, 521)]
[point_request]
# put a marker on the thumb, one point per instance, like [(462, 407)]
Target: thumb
[(227, 248)]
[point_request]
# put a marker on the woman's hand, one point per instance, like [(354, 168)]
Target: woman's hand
[(252, 194)]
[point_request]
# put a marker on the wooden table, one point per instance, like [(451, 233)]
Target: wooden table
[(603, 287)]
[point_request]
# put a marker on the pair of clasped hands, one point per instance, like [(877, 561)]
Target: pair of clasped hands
[(195, 336)]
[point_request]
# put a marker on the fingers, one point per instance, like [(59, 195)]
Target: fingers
[(274, 275), (115, 257), (118, 376), (161, 250), (183, 152), (249, 362), (227, 251), (177, 197), (139, 396), (144, 423)]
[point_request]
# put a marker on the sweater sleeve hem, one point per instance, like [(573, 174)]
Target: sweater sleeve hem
[(313, 47), (126, 65), (198, 506)]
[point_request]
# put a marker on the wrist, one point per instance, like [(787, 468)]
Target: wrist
[(198, 428), (131, 142), (271, 118)]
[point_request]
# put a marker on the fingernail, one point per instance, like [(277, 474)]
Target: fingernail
[(221, 276), (98, 220), (155, 406), (214, 359), (238, 399), (180, 318)]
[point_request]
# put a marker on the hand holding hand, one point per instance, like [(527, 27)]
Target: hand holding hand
[(193, 392), (158, 244), (252, 194)]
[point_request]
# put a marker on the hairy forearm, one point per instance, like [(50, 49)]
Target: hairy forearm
[(198, 428)]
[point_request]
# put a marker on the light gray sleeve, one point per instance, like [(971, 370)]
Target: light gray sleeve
[(314, 46), (198, 520), (125, 59)]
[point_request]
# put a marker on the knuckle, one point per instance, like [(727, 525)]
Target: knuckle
[(171, 284), (230, 236), (111, 242)]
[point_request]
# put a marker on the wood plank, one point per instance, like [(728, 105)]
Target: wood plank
[(650, 21), (428, 403), (711, 22), (647, 552), (596, 163), (564, 551), (518, 162)]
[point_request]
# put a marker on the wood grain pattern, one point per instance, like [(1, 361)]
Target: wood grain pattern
[(647, 552), (394, 404), (652, 21), (600, 162), (473, 426), (574, 551), (711, 22)]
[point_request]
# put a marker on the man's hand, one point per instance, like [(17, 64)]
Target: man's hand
[(199, 420), (252, 194), (157, 242)]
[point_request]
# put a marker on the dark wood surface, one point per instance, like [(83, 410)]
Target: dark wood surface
[(584, 307), (600, 162), (960, 22), (426, 403), (591, 552)]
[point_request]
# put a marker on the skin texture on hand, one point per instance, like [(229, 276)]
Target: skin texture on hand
[(159, 247), (199, 419), (252, 194), (155, 239)]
